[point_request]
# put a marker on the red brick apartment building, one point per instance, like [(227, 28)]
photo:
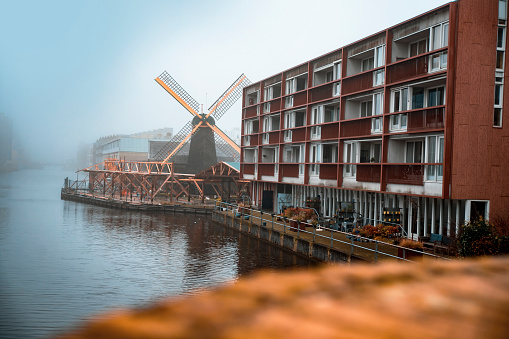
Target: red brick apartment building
[(410, 118)]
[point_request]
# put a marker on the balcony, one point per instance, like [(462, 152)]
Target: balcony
[(328, 171), (330, 131), (405, 174), (251, 112), (300, 98), (249, 168), (266, 169), (320, 93), (407, 69), (368, 173), (298, 134), (289, 170), (361, 82), (355, 128), (431, 118)]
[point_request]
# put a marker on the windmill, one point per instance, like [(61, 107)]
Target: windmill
[(202, 132)]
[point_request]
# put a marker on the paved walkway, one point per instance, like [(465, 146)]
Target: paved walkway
[(369, 251)]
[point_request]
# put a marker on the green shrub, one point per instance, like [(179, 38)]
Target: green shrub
[(477, 238)]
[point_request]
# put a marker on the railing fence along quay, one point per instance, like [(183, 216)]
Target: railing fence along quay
[(312, 240)]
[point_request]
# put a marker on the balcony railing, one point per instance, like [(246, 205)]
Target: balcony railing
[(405, 174), (368, 172), (249, 168), (266, 169), (330, 131), (300, 98), (356, 128), (357, 83), (321, 93), (328, 171), (407, 69), (431, 118), (251, 112), (298, 134), (289, 170)]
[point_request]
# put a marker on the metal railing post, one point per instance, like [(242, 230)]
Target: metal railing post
[(376, 249)]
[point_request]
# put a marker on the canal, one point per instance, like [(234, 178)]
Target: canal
[(61, 261)]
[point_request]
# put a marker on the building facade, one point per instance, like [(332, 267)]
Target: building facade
[(410, 118)]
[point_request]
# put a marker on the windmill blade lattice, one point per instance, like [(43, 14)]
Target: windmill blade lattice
[(174, 142), (175, 87), (229, 97), (225, 148)]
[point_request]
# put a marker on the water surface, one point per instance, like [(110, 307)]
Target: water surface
[(62, 261)]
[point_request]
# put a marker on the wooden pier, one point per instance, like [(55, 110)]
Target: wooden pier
[(137, 206)]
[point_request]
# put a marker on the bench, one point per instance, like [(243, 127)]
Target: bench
[(437, 243)]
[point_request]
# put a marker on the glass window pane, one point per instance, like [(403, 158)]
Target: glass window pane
[(443, 60), (502, 10), (417, 152), (432, 145), (404, 99), (445, 35), (432, 97), (409, 152), (403, 120), (395, 103), (500, 59), (497, 94), (417, 97), (413, 49), (500, 38), (435, 33), (395, 121)]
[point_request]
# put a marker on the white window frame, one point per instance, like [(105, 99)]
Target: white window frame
[(334, 153), (427, 90), (413, 142), (441, 62), (378, 103), (399, 122), (401, 100), (378, 77), (336, 89), (314, 159), (434, 154), (443, 36), (266, 107), (337, 70), (377, 125), (289, 101), (350, 158), (424, 41)]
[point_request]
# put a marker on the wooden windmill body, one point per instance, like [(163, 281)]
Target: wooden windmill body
[(202, 132)]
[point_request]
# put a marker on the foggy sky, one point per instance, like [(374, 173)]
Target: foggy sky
[(73, 71)]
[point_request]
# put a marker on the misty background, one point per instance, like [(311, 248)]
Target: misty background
[(74, 71)]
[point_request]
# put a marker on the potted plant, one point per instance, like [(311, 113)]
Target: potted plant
[(410, 249)]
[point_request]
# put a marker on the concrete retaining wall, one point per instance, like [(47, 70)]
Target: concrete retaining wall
[(286, 241)]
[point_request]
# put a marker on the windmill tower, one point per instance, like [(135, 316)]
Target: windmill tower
[(206, 139)]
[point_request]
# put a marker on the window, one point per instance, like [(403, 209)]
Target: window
[(377, 98), (337, 70), (331, 113), (438, 62), (367, 64), (370, 152), (247, 140), (417, 97), (266, 107), (497, 113), (349, 159), (378, 77), (376, 125), (435, 154), (379, 56), (398, 122), (288, 123), (436, 96), (314, 156), (418, 47), (399, 100), (337, 89), (366, 108), (330, 153), (413, 152), (296, 84), (289, 101), (439, 36), (272, 91)]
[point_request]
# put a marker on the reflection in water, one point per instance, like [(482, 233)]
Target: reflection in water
[(63, 261)]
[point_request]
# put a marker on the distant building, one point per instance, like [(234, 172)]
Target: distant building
[(133, 147), (409, 119)]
